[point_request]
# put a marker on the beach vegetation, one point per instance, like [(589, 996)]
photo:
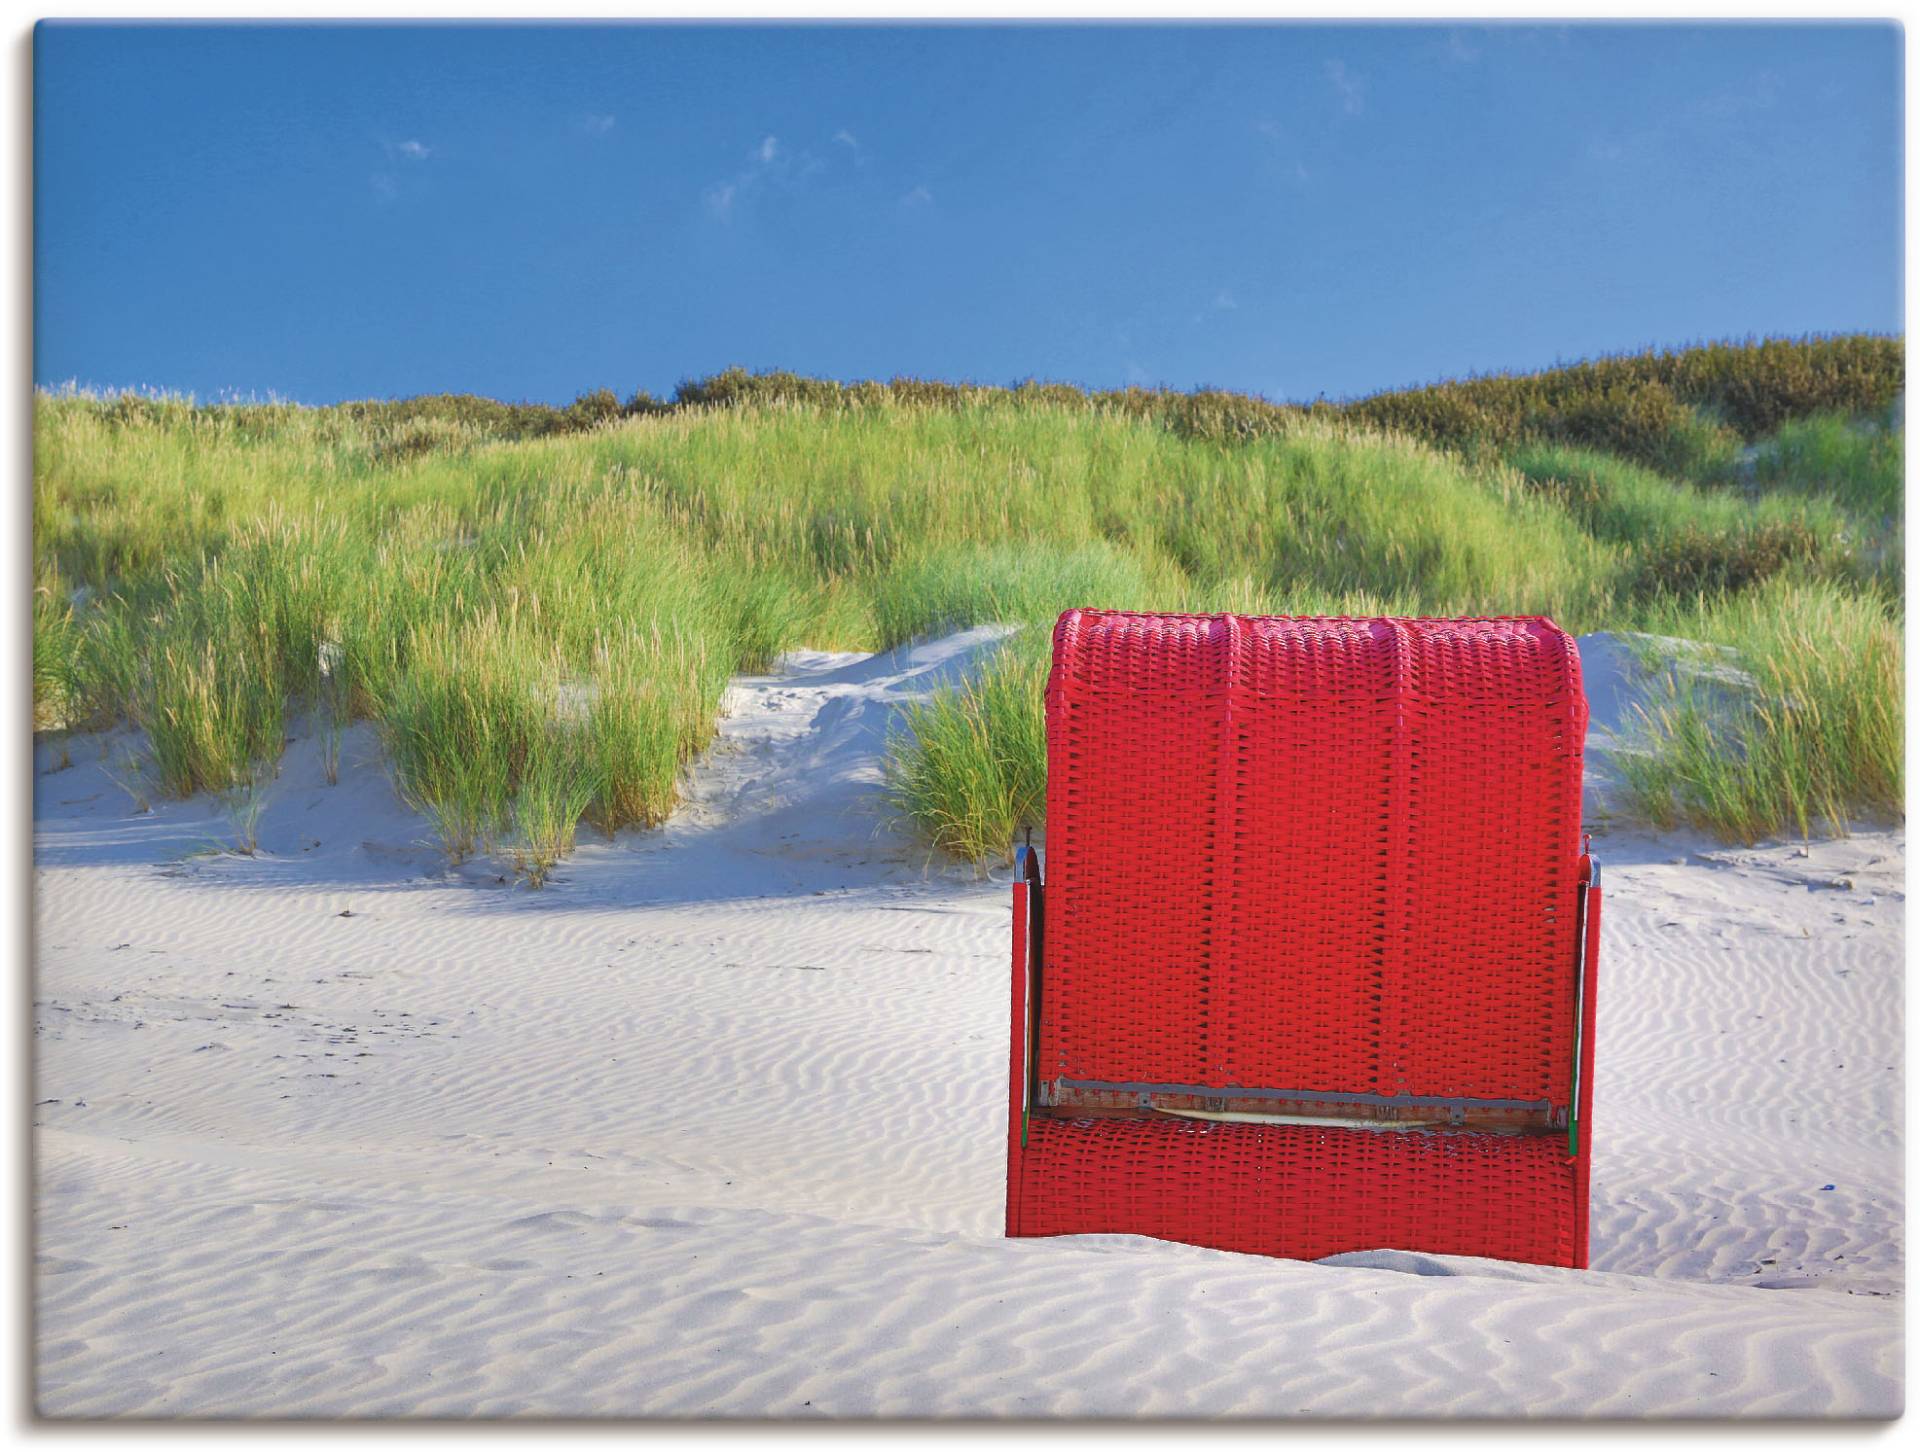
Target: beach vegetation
[(539, 608)]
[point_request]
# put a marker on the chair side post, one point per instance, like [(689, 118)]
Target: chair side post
[(1026, 969), (1589, 1000), (1017, 1058)]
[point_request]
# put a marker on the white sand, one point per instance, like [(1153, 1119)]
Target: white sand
[(713, 1125)]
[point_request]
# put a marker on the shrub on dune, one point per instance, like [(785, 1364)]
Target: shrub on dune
[(1861, 463), (1816, 742), (968, 769), (540, 607)]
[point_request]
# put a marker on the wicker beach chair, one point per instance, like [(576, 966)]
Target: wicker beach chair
[(1313, 965)]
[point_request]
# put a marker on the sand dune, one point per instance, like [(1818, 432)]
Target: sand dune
[(713, 1125)]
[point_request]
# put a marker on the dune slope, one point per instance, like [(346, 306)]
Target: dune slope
[(713, 1126)]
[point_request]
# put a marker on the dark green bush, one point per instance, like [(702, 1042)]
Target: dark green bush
[(1682, 411), (1692, 562), (590, 410), (485, 416), (1633, 419), (1226, 418), (1653, 406), (736, 387)]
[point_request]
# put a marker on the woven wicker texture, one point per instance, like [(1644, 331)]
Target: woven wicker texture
[(1312, 854), (1317, 855), (1300, 1191)]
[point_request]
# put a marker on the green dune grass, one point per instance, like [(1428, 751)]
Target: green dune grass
[(1817, 739), (540, 617)]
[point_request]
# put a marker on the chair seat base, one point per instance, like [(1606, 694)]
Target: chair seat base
[(1298, 1191)]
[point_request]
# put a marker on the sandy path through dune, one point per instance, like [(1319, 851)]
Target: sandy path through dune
[(713, 1125)]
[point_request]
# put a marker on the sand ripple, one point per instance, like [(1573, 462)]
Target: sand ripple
[(713, 1127)]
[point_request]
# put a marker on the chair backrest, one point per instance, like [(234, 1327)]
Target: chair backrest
[(1312, 857)]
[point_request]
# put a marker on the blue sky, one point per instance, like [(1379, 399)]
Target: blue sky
[(328, 213)]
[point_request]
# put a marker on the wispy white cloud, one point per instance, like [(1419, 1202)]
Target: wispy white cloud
[(1283, 144), (724, 198), (1460, 50), (1351, 86), (773, 167), (596, 125), (858, 152), (918, 197), (1223, 302), (385, 182)]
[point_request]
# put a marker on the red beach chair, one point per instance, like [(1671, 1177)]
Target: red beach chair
[(1313, 966)]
